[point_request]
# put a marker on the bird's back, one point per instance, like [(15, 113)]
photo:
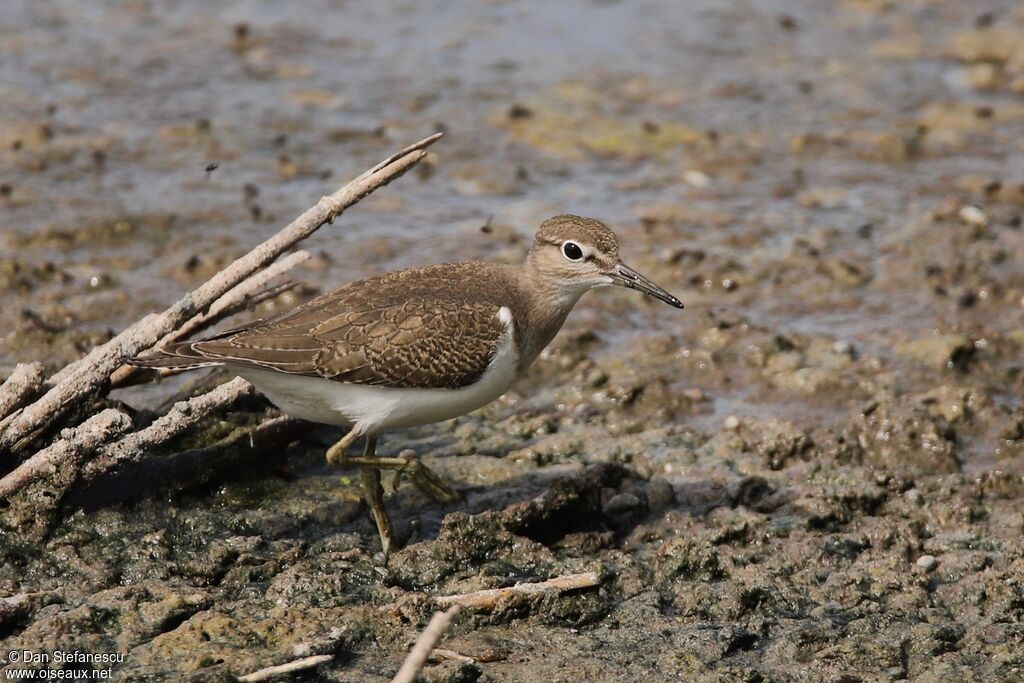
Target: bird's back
[(431, 327)]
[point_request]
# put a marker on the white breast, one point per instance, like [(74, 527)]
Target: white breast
[(372, 409)]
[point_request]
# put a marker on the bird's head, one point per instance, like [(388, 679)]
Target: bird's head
[(577, 254)]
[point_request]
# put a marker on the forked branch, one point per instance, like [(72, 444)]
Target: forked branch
[(87, 376)]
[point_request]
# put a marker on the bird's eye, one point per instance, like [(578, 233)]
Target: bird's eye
[(572, 251)]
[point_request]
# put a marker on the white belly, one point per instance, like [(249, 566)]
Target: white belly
[(372, 409)]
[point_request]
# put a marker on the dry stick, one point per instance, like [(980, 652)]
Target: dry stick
[(487, 599), (290, 667), (199, 384), (129, 376), (74, 443), (239, 295), (431, 635), (308, 222), (75, 368), (25, 380), (182, 416), (92, 371)]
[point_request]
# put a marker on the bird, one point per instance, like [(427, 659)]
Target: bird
[(415, 346)]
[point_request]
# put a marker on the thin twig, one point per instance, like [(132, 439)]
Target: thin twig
[(181, 417), (25, 380), (238, 297), (74, 444), (92, 372), (240, 294), (430, 637), (290, 667), (130, 375), (487, 599), (199, 383)]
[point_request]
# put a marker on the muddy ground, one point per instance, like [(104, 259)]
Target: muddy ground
[(814, 472)]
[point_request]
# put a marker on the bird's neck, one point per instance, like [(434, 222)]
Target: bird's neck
[(548, 302)]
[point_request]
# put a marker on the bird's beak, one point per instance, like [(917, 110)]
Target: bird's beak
[(627, 277)]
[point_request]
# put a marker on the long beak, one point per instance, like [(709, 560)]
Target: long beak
[(627, 277)]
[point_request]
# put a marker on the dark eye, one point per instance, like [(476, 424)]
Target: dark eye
[(572, 251)]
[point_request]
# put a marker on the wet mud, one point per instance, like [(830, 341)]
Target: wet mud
[(814, 472)]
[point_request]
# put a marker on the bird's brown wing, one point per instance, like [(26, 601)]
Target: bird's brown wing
[(363, 334)]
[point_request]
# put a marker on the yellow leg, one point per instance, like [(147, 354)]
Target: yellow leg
[(421, 476), (337, 454), (373, 492), (429, 483)]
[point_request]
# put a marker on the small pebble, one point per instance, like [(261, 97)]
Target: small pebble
[(914, 497), (695, 394), (842, 347), (732, 423), (596, 378), (696, 178), (622, 503), (972, 215), (927, 563), (659, 494)]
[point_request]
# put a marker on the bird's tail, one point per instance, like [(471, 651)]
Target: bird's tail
[(177, 356)]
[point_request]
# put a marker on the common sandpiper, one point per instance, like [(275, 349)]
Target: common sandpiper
[(415, 346)]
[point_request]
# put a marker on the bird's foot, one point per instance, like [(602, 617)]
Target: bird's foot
[(426, 480), (422, 477)]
